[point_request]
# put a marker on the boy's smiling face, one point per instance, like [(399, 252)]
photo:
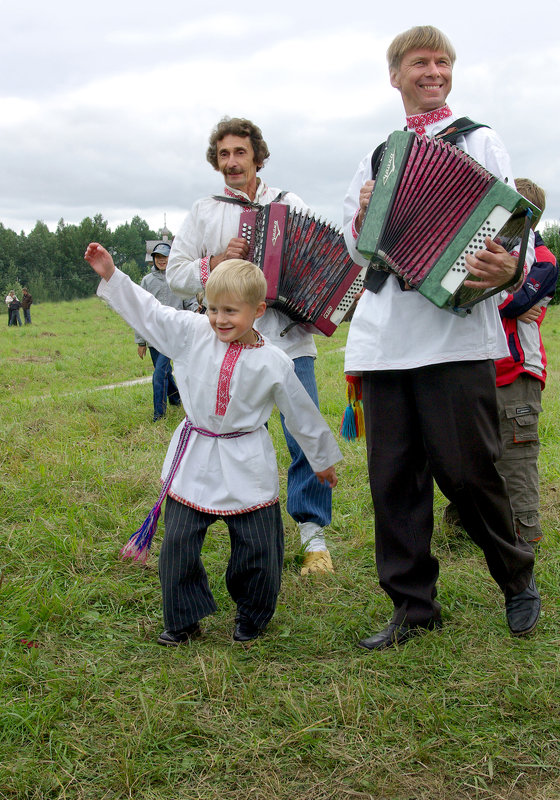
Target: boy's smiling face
[(232, 319)]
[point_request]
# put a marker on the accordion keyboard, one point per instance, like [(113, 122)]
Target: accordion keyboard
[(458, 272)]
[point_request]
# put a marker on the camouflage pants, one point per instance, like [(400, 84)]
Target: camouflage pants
[(519, 406)]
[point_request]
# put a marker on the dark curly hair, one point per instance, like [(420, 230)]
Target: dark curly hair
[(235, 126)]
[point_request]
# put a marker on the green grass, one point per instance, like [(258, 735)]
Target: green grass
[(97, 711)]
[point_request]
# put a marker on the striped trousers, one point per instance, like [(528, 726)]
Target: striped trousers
[(253, 574)]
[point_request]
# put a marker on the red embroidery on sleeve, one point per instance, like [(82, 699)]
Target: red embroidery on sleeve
[(204, 269)]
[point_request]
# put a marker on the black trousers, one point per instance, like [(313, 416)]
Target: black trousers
[(440, 422), (253, 573)]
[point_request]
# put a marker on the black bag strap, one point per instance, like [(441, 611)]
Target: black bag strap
[(375, 279), (459, 128)]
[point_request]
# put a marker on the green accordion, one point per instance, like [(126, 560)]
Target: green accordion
[(431, 206)]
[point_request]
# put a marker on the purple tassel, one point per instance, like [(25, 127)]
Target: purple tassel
[(138, 546)]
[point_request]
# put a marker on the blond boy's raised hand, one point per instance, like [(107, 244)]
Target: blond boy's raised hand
[(100, 260)]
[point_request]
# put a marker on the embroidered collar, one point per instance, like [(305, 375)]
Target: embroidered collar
[(258, 343), (419, 122), (261, 188)]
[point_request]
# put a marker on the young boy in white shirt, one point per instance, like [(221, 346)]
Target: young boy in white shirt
[(221, 462)]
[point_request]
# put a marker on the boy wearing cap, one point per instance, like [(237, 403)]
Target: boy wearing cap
[(163, 382)]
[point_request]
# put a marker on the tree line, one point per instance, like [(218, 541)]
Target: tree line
[(52, 266)]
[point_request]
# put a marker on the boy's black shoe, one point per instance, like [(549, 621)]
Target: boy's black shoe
[(245, 631), (174, 639)]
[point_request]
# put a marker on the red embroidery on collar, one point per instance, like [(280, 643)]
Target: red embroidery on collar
[(226, 371), (261, 188), (418, 122)]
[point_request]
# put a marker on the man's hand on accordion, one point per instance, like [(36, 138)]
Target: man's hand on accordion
[(493, 266), (327, 476), (237, 248), (365, 197)]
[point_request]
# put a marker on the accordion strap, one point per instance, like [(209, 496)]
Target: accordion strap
[(459, 128), (375, 278), (240, 201)]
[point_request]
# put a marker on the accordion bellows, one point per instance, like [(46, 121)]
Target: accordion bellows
[(309, 274), (433, 204)]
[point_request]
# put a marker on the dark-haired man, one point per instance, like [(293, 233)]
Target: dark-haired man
[(208, 236), (429, 386)]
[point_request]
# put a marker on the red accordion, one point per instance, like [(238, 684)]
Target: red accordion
[(310, 276)]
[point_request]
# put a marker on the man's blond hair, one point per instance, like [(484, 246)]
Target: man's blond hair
[(421, 37), (237, 278)]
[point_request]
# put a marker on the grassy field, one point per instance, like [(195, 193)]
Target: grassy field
[(92, 709)]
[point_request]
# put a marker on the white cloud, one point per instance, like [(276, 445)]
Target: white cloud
[(109, 107)]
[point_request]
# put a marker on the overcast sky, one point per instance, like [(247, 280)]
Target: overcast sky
[(106, 106)]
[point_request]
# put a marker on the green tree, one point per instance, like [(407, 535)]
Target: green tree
[(129, 243), (74, 277), (132, 269), (37, 258)]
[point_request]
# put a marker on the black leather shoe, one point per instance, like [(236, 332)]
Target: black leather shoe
[(523, 610), (245, 631), (174, 639), (395, 634)]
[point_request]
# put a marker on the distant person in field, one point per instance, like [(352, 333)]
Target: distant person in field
[(14, 306), (9, 298), (221, 462), (163, 382), (26, 302)]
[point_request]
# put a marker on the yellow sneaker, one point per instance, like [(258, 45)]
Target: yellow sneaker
[(317, 561)]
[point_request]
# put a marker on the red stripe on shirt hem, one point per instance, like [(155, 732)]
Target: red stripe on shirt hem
[(221, 512)]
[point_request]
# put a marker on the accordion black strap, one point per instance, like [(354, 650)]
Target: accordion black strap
[(375, 278), (240, 201)]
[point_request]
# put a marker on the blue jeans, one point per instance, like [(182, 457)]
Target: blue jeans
[(163, 383), (308, 500)]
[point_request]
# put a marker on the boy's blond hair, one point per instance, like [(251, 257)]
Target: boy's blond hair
[(238, 278), (531, 191), (418, 38), (534, 194)]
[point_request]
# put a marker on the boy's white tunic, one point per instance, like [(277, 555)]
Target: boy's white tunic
[(225, 388)]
